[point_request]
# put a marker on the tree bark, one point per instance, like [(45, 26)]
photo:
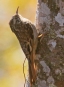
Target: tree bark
[(50, 48)]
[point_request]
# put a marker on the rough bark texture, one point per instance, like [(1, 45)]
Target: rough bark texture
[(50, 49)]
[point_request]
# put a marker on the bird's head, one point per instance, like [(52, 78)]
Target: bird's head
[(15, 22)]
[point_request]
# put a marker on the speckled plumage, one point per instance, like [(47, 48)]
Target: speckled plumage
[(27, 36)]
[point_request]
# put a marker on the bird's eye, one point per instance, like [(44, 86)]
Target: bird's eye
[(17, 21)]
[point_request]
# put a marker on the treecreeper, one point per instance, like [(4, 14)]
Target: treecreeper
[(27, 35)]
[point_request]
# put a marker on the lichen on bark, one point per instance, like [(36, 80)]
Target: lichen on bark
[(51, 45)]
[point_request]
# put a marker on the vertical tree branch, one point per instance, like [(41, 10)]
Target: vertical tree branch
[(50, 50)]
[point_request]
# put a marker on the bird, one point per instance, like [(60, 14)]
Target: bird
[(27, 35)]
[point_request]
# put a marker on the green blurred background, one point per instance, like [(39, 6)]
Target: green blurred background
[(11, 55)]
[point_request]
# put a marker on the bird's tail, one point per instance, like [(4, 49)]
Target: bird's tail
[(32, 73)]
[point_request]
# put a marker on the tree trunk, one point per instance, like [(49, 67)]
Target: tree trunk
[(50, 49)]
